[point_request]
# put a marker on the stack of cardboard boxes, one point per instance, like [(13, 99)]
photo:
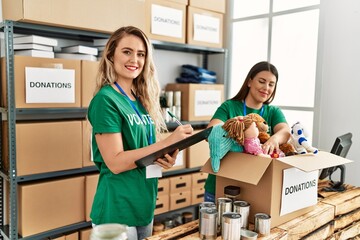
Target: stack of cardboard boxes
[(61, 145)]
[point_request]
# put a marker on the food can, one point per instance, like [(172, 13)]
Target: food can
[(208, 223), (231, 229), (262, 224), (177, 98), (243, 208), (223, 205)]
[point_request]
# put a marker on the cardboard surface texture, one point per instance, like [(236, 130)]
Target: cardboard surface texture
[(48, 205), (212, 5), (198, 101), (261, 179), (83, 14), (61, 140), (204, 28)]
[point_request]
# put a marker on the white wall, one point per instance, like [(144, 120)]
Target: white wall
[(339, 63)]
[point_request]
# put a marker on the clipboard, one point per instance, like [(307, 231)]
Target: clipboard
[(185, 143)]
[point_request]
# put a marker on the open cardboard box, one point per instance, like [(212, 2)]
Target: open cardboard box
[(261, 180)]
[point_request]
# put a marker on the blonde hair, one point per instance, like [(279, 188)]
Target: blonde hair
[(146, 85)]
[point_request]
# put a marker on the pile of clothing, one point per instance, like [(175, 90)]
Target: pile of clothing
[(194, 74)]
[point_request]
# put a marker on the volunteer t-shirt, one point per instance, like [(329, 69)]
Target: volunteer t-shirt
[(129, 197)]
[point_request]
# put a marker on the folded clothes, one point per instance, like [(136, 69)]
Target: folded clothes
[(194, 74), (194, 80)]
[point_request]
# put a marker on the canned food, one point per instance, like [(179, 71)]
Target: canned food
[(243, 208), (208, 223), (231, 229), (262, 224), (223, 205)]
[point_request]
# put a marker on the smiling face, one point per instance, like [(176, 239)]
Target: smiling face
[(129, 57), (261, 87)]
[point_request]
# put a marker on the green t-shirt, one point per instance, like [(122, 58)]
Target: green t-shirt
[(232, 108), (128, 197)]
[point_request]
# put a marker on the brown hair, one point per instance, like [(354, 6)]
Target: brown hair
[(259, 67)]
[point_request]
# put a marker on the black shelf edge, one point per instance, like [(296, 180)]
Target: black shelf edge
[(64, 173), (182, 47), (180, 171), (56, 31), (44, 235), (50, 113)]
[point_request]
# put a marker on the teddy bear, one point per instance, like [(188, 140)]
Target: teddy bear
[(286, 149), (300, 141)]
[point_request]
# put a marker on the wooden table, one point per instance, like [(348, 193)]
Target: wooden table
[(336, 217)]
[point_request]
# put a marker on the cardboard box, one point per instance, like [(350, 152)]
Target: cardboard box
[(91, 182), (197, 195), (162, 204), (180, 183), (166, 20), (46, 147), (85, 234), (89, 70), (198, 179), (21, 62), (204, 28), (212, 5), (105, 15), (180, 199), (198, 101), (261, 181), (48, 205), (72, 236), (86, 128), (197, 154), (163, 186)]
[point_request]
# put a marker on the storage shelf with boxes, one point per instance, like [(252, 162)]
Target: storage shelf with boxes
[(23, 118)]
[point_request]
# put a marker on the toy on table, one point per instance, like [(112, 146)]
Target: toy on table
[(300, 141)]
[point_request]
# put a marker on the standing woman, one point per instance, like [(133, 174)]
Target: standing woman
[(255, 95), (125, 115)]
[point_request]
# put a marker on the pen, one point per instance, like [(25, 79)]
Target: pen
[(173, 116)]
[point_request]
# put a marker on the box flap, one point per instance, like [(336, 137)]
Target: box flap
[(311, 162), (240, 166)]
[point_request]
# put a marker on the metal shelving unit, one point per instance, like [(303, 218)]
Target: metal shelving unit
[(12, 115)]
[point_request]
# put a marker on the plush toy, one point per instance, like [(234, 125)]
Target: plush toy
[(300, 141), (245, 131), (286, 149), (220, 145)]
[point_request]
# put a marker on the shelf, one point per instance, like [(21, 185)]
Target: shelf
[(47, 234), (12, 115), (180, 47), (70, 172), (181, 171), (55, 32), (50, 113)]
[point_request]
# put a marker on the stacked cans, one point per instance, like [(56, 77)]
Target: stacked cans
[(172, 103)]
